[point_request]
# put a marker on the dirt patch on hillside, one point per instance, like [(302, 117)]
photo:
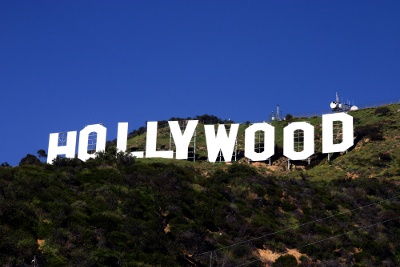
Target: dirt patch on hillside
[(268, 257), (40, 243)]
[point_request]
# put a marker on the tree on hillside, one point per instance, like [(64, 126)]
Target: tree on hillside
[(288, 117), (209, 119), (41, 154), (29, 159)]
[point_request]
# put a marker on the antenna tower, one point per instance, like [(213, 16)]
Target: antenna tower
[(278, 115)]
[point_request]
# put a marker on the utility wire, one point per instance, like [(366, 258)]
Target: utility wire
[(296, 227), (324, 239)]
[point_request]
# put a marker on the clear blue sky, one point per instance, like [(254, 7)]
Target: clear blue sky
[(67, 64)]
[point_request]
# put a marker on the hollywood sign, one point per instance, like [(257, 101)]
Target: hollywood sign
[(216, 141)]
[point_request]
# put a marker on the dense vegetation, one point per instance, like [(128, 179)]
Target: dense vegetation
[(122, 211)]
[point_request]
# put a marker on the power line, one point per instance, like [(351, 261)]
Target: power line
[(331, 237), (296, 227)]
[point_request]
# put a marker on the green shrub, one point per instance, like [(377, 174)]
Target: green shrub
[(287, 206), (382, 111), (285, 261), (372, 131)]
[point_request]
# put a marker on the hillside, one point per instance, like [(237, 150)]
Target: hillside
[(122, 211), (376, 131)]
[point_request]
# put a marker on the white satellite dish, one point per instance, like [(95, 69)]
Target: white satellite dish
[(354, 108)]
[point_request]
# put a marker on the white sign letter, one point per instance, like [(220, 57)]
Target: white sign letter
[(55, 149), (327, 132), (101, 132), (182, 140), (151, 143), (308, 140), (122, 140), (221, 141), (269, 144)]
